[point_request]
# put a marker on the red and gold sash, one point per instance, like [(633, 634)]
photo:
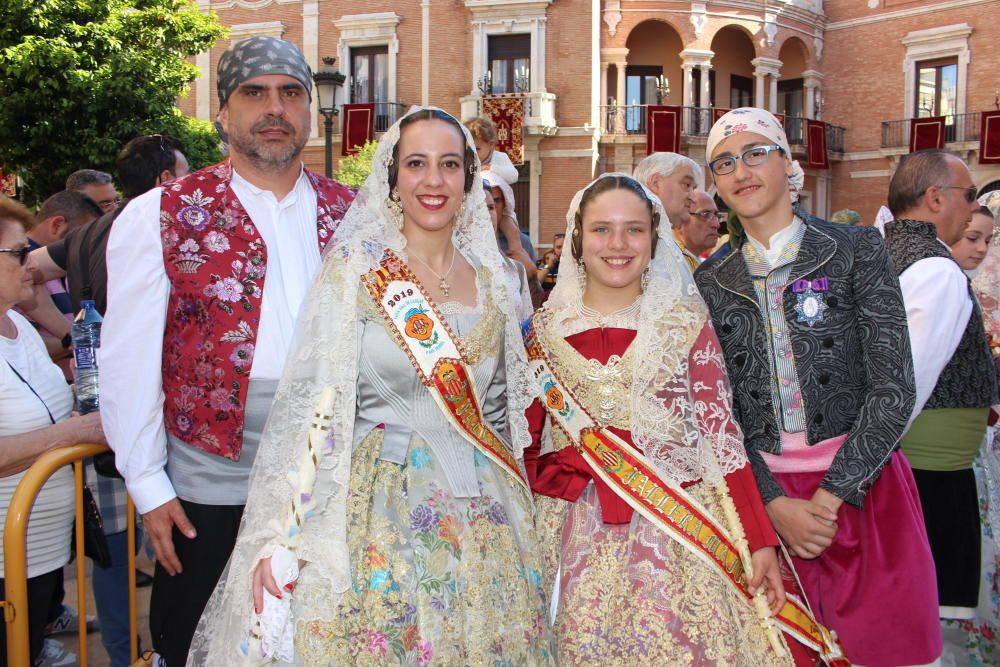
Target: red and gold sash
[(420, 330), (635, 480)]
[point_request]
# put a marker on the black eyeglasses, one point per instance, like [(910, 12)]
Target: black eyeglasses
[(752, 157), (970, 192), (708, 215), (22, 253)]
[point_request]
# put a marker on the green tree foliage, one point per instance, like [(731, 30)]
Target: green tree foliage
[(354, 169), (79, 78)]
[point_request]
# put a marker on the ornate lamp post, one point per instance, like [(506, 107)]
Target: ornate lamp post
[(328, 79)]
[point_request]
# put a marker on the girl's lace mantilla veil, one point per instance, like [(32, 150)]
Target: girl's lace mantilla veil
[(665, 421), (325, 354)]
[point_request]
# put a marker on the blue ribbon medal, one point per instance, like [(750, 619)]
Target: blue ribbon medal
[(811, 299)]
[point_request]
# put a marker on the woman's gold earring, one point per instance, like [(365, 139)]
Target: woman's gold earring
[(395, 209)]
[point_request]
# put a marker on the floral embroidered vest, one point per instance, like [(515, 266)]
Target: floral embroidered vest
[(215, 260)]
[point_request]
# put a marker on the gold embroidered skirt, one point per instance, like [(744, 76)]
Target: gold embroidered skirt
[(630, 595), (437, 580)]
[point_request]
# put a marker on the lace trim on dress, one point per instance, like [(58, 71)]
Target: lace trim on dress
[(579, 317)]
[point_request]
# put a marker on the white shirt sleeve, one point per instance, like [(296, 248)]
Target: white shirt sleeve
[(501, 165), (938, 307), (132, 352)]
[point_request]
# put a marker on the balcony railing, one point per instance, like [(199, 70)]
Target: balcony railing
[(386, 113), (697, 122), (957, 128), (631, 119), (834, 138)]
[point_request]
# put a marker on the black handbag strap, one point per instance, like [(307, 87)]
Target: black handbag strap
[(32, 390)]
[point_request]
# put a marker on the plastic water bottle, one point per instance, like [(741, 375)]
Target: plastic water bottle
[(86, 342)]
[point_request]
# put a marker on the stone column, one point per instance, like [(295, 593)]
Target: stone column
[(688, 86), (704, 101), (766, 72), (604, 83), (758, 89), (813, 82), (620, 97)]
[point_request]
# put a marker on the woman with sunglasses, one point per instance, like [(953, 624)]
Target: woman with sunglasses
[(35, 405)]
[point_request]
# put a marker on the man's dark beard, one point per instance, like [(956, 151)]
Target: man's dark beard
[(252, 148)]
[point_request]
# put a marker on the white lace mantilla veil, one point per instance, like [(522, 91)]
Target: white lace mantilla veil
[(325, 354), (665, 423)]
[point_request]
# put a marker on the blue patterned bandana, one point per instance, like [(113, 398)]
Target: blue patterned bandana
[(258, 56)]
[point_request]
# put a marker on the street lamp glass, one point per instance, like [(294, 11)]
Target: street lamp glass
[(326, 91)]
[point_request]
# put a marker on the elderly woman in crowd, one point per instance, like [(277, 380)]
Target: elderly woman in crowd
[(35, 405)]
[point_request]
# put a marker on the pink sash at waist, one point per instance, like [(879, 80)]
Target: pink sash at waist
[(798, 456)]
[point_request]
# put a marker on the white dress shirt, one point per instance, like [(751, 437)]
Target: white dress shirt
[(138, 292), (938, 307)]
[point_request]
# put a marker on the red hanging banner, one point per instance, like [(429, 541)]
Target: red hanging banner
[(989, 138), (926, 133), (663, 129), (816, 145), (508, 114), (359, 127)]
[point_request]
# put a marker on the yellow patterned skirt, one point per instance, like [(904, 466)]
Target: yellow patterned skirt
[(437, 580), (630, 595)]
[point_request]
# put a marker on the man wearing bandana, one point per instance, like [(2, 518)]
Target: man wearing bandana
[(813, 331), (215, 265)]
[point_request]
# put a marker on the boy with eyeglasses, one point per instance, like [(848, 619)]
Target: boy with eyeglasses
[(932, 199), (813, 330)]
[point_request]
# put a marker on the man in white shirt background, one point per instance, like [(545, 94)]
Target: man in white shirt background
[(215, 265), (932, 198)]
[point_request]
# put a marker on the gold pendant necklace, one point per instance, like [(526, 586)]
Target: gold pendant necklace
[(443, 284)]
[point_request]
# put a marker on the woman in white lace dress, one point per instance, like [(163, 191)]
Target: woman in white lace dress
[(408, 509)]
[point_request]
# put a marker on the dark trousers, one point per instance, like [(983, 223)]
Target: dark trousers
[(951, 514), (177, 602), (40, 593)]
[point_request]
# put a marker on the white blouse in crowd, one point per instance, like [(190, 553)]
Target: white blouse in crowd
[(132, 334), (51, 518)]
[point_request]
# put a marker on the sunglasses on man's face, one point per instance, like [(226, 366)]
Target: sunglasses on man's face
[(21, 253), (970, 192)]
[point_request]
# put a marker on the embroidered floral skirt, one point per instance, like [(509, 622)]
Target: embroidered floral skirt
[(438, 580), (976, 641), (630, 595)]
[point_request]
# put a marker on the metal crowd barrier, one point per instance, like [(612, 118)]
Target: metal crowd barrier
[(15, 532)]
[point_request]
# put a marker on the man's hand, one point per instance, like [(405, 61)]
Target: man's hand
[(767, 572), (807, 527), (159, 523)]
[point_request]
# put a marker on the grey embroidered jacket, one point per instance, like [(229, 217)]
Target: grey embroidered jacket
[(853, 364)]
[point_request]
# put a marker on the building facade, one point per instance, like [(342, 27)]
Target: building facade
[(586, 70)]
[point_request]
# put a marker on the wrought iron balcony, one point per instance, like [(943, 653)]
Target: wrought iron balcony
[(386, 113), (957, 128), (631, 119), (697, 122)]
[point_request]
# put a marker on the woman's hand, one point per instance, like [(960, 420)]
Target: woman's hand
[(85, 429), (767, 572), (263, 580)]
